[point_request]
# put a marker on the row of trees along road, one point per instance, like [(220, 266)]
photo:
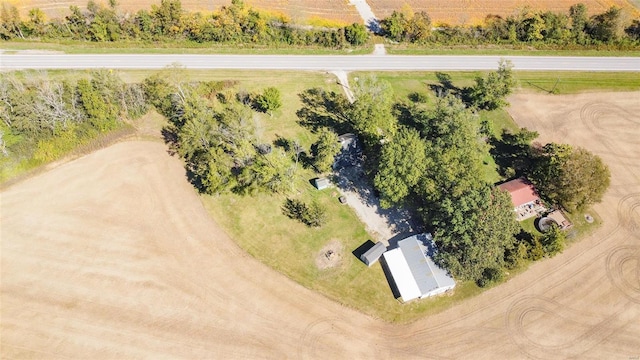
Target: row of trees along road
[(233, 24), (544, 28), (240, 24)]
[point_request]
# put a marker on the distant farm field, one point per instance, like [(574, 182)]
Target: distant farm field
[(340, 11), (308, 11)]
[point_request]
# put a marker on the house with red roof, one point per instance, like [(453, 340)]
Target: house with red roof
[(524, 197)]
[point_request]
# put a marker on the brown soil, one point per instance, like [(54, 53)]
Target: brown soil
[(330, 255), (113, 256)]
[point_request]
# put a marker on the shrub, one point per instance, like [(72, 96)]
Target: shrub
[(314, 215), (490, 276)]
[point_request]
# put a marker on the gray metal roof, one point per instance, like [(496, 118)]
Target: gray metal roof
[(372, 255), (417, 250), (322, 183)]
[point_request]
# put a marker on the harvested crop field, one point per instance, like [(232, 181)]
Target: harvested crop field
[(113, 256), (456, 12), (298, 10)]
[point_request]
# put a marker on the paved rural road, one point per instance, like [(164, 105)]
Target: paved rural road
[(314, 62)]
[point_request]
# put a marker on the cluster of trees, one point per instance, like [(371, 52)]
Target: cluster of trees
[(612, 27), (427, 158), (236, 24), (473, 221), (571, 177), (213, 128), (43, 119)]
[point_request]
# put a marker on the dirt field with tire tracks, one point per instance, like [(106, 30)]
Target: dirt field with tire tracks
[(113, 256)]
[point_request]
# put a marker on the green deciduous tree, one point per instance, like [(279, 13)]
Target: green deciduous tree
[(579, 19), (168, 18), (99, 112), (394, 26), (474, 230), (356, 34), (452, 150), (272, 172), (402, 164), (553, 241), (573, 178), (491, 92), (324, 150), (608, 26), (36, 24), (269, 101), (370, 114)]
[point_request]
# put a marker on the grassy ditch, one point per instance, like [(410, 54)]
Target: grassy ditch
[(175, 47), (409, 49)]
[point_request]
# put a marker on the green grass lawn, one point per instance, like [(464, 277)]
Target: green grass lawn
[(568, 82), (558, 82), (528, 225), (581, 227), (258, 225), (409, 49)]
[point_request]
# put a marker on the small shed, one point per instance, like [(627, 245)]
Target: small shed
[(321, 183), (372, 255)]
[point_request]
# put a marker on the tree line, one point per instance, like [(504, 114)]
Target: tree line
[(42, 119), (241, 24), (530, 27), (233, 24)]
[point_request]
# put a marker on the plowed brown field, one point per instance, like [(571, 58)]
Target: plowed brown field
[(441, 11), (113, 256)]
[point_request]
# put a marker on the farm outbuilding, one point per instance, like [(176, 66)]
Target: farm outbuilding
[(414, 272), (372, 255), (321, 183)]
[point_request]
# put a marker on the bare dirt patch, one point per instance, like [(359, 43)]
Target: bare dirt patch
[(330, 255), (113, 256)]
